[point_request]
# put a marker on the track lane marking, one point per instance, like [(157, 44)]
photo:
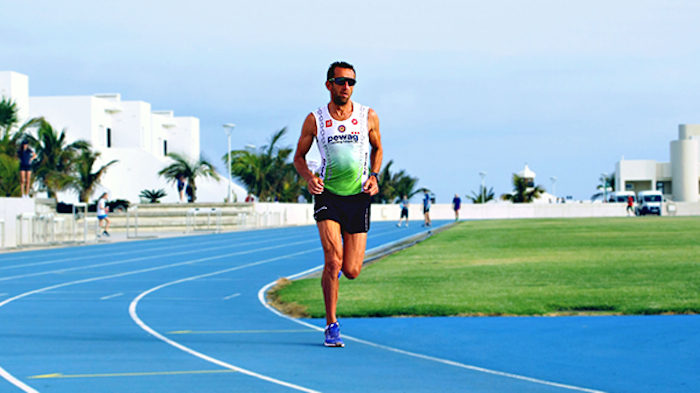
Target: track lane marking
[(111, 296), (135, 374), (242, 331), (148, 329), (140, 251), (232, 296), (28, 389), (262, 300)]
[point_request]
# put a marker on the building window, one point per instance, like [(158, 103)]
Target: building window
[(165, 147), (109, 137)]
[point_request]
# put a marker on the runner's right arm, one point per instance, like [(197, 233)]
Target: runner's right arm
[(308, 132)]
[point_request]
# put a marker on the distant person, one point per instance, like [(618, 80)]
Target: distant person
[(426, 209), (630, 205), (26, 156), (189, 192), (102, 210), (181, 187), (456, 204), (404, 211), (249, 198)]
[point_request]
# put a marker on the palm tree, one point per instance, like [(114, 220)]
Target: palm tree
[(393, 186), (85, 180), (55, 158), (8, 115), (153, 195), (482, 196), (267, 172), (606, 182), (9, 176), (521, 192), (191, 170)]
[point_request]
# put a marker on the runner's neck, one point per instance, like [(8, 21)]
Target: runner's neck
[(341, 112)]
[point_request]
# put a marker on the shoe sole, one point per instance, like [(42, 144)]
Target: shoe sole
[(337, 345)]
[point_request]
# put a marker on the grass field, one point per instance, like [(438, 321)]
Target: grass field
[(628, 265)]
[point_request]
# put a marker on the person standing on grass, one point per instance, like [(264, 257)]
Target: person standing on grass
[(102, 210), (630, 205), (404, 211), (26, 156), (344, 132), (456, 204)]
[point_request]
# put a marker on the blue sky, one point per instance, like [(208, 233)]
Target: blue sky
[(460, 87)]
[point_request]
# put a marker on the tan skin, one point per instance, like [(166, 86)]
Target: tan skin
[(341, 250)]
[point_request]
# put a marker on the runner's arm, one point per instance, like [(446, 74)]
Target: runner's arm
[(308, 132), (376, 155)]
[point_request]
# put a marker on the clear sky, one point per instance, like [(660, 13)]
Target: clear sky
[(568, 87)]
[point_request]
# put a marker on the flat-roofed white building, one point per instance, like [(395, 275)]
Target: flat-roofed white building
[(678, 180), (128, 131)]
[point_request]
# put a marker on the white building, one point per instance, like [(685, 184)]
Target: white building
[(128, 131), (678, 180)]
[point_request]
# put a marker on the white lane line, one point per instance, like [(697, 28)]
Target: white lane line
[(142, 325), (160, 256), (10, 378), (111, 296), (261, 299), (232, 296), (146, 250)]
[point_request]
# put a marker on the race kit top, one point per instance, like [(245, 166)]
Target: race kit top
[(344, 148)]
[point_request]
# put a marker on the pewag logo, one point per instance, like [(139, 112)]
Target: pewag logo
[(345, 138)]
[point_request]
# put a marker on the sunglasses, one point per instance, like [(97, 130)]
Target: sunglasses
[(341, 81)]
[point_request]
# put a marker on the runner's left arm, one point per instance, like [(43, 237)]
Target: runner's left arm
[(376, 154)]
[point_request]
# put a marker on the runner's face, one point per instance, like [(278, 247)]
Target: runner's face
[(340, 95)]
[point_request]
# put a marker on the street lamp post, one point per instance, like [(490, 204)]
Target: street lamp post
[(554, 186), (483, 187), (229, 128)]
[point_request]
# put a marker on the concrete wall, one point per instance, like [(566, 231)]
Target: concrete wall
[(302, 214), (9, 209)]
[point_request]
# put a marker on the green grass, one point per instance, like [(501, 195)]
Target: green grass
[(629, 265)]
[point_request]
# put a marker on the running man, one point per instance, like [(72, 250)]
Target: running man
[(26, 156), (347, 177), (404, 211), (102, 210)]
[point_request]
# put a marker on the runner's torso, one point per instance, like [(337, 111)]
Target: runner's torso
[(344, 148)]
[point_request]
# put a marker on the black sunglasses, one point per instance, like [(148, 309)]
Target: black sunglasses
[(341, 81)]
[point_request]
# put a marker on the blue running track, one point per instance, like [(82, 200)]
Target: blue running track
[(185, 315)]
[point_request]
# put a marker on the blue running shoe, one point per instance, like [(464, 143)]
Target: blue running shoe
[(333, 336)]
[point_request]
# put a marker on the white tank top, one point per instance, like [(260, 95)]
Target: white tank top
[(344, 148)]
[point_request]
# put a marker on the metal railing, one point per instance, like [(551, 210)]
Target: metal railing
[(191, 219)]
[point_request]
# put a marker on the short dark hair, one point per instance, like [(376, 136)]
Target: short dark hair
[(341, 64)]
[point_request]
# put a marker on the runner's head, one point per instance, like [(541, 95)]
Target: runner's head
[(340, 80)]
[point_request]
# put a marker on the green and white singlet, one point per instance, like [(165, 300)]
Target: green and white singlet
[(344, 148)]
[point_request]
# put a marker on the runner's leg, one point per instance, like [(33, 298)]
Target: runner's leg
[(332, 243), (353, 253)]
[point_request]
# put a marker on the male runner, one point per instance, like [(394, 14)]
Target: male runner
[(344, 131)]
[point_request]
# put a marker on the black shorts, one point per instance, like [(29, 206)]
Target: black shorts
[(25, 167), (404, 213), (351, 212)]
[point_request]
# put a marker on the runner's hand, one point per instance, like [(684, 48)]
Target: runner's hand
[(371, 186), (315, 185)]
